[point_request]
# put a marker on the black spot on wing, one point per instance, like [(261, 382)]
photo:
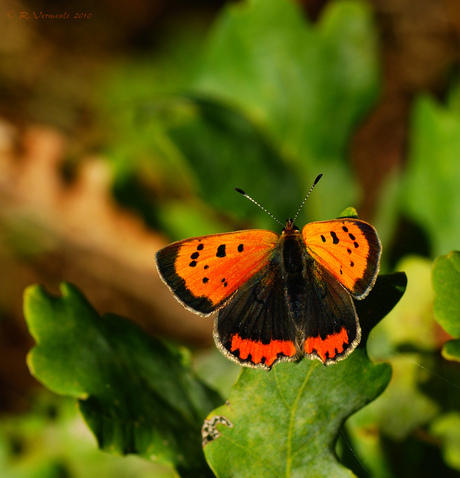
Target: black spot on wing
[(221, 251), (335, 239)]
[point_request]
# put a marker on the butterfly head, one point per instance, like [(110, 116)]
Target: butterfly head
[(290, 227)]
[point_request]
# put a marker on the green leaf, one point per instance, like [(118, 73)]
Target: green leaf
[(136, 393), (411, 323), (293, 77), (284, 422), (226, 150), (451, 350), (447, 429), (403, 408), (303, 86), (430, 190), (279, 403), (446, 285), (349, 212), (386, 293)]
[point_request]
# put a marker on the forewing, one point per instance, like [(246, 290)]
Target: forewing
[(349, 249), (203, 272), (254, 328)]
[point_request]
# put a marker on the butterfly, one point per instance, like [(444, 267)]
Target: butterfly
[(279, 296)]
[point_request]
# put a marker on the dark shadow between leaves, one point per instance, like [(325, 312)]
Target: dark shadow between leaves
[(386, 293)]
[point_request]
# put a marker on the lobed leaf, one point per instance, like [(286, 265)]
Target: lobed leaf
[(136, 393), (446, 284), (285, 423)]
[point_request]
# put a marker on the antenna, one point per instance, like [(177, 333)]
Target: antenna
[(308, 194), (238, 190), (269, 213)]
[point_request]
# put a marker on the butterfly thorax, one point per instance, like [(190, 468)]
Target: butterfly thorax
[(292, 251), (294, 261)]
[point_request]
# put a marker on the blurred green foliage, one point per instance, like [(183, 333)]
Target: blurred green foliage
[(430, 189), (52, 441), (267, 109)]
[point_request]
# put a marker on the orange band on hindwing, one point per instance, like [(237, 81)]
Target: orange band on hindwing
[(329, 347), (256, 352)]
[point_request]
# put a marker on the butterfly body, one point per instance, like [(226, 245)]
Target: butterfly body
[(279, 297)]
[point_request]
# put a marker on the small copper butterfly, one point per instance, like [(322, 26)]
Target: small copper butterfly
[(279, 297)]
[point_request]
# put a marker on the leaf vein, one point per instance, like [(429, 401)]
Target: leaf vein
[(292, 421)]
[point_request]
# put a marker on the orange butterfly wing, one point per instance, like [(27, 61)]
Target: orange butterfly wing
[(349, 249), (203, 272)]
